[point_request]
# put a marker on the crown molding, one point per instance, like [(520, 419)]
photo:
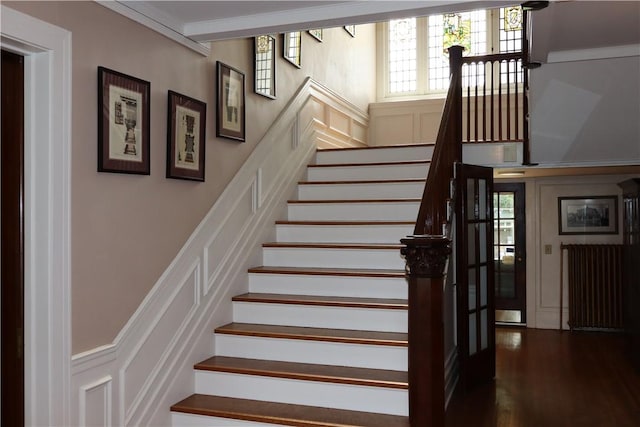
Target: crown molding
[(151, 17)]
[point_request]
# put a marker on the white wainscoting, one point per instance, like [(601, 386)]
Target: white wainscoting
[(417, 121), (148, 367)]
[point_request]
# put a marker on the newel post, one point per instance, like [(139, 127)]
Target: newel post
[(426, 260)]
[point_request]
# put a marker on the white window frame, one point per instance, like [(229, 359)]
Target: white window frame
[(422, 79)]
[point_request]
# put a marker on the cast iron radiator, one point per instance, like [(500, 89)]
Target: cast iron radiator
[(595, 286)]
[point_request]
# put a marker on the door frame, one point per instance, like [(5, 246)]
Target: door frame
[(12, 184), (47, 213), (520, 234)]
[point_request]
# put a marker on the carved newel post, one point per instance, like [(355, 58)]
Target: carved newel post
[(426, 260)]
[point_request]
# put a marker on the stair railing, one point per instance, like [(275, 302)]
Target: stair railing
[(427, 254), (427, 251)]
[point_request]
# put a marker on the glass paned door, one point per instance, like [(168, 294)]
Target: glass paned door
[(474, 274), (509, 252)]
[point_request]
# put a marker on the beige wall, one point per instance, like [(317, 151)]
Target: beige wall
[(127, 229), (543, 270)]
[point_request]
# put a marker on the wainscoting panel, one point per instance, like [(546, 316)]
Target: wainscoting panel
[(217, 249), (95, 403), (148, 367), (137, 372)]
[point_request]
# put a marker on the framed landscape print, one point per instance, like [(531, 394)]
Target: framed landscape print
[(230, 114), (123, 123), (588, 215), (186, 125)]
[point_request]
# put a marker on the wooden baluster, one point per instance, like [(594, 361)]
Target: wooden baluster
[(516, 115), (468, 68), (493, 102), (508, 100), (484, 102)]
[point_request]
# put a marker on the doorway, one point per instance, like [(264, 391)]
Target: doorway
[(510, 253), (12, 247)]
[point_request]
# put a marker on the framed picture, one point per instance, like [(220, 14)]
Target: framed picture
[(123, 123), (351, 29), (292, 47), (230, 94), (588, 215), (186, 125), (265, 66), (316, 34)]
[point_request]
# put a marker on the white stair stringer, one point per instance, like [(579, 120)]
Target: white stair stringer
[(340, 242)]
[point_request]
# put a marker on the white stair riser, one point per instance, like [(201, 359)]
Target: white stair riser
[(300, 392), (342, 233), (401, 211), (340, 286), (387, 154), (179, 419), (360, 172), (373, 191), (329, 257), (364, 319), (310, 351)]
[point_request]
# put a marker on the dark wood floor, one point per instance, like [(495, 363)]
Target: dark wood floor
[(554, 379)]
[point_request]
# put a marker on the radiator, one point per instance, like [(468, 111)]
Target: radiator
[(594, 275)]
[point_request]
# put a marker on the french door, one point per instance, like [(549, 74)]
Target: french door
[(475, 275), (509, 252)]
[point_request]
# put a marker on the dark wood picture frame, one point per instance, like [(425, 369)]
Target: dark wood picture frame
[(588, 215), (351, 29), (230, 114), (186, 127), (316, 34), (292, 48), (264, 68), (123, 123)]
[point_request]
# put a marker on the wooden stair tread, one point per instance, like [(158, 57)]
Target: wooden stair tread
[(394, 163), (395, 339), (345, 223), (332, 245), (284, 413), (364, 181), (306, 371), (405, 200), (329, 301), (328, 271), (377, 147)]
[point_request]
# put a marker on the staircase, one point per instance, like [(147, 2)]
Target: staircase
[(320, 339)]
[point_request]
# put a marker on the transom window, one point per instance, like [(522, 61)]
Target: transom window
[(416, 56)]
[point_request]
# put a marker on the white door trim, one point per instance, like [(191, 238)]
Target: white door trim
[(47, 51)]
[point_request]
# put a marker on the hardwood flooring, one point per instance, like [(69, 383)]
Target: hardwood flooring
[(554, 379)]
